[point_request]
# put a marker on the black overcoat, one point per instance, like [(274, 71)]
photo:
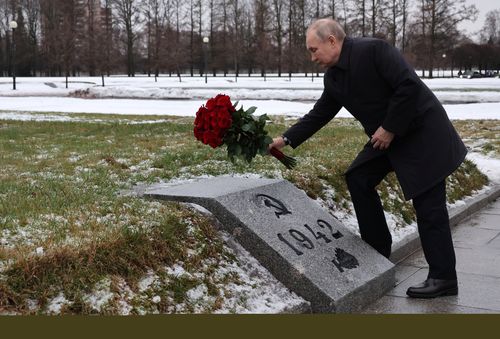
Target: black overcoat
[(376, 85)]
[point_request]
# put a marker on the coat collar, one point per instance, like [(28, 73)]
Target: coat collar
[(345, 55)]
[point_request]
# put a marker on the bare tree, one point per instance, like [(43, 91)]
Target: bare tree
[(191, 35), (291, 9), (302, 24), (32, 13), (4, 40), (262, 21), (394, 15), (405, 4), (360, 15), (155, 14), (235, 30), (248, 41), (88, 33), (490, 33), (199, 12), (225, 19), (127, 16), (22, 58), (363, 17), (278, 7), (72, 36), (375, 12), (444, 16), (344, 9), (106, 37), (178, 54), (58, 35), (297, 26)]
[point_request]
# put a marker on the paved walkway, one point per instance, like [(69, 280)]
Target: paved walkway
[(477, 247)]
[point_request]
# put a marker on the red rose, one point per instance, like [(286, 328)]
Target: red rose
[(198, 133), (213, 118), (215, 142), (207, 120), (205, 137), (224, 101), (202, 110), (211, 104), (211, 138), (225, 122), (201, 118), (222, 112), (213, 123)]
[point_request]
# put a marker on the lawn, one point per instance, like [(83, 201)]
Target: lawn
[(71, 235)]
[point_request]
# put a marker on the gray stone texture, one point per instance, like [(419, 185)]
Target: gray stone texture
[(322, 262)]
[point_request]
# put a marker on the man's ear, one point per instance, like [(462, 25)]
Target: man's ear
[(332, 40)]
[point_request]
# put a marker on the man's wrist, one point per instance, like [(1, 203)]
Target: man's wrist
[(286, 140)]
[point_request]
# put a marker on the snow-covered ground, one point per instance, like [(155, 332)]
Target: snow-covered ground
[(463, 98), (127, 96)]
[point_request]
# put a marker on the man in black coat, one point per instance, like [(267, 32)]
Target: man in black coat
[(409, 133)]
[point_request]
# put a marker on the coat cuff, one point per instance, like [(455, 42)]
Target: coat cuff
[(290, 141)]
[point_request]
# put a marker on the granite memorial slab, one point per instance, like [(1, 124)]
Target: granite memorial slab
[(300, 243)]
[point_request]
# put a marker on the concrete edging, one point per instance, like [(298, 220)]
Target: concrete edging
[(412, 243)]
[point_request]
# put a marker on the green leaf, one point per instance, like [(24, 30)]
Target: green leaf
[(263, 118), (234, 150), (251, 110), (244, 150), (246, 127), (236, 115), (268, 140), (263, 150), (237, 150)]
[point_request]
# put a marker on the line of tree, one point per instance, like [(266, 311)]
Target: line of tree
[(75, 37)]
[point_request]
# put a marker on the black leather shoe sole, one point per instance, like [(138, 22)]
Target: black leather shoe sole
[(426, 295)]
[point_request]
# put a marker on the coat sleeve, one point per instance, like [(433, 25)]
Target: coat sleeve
[(403, 105), (323, 111)]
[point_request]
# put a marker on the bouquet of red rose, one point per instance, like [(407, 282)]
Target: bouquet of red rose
[(218, 123)]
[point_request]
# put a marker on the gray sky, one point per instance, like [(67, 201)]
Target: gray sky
[(484, 6)]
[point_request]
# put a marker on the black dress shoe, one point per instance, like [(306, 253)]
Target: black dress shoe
[(432, 288)]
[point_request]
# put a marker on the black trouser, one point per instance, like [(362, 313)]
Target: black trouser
[(430, 207)]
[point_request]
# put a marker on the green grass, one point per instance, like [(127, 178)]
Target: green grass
[(481, 135), (60, 191)]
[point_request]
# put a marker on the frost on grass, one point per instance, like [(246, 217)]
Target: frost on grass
[(224, 282), (56, 304), (242, 285), (260, 292), (86, 209)]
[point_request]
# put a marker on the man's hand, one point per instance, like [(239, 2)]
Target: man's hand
[(277, 143), (382, 139)]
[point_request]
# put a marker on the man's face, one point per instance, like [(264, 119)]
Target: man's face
[(324, 53)]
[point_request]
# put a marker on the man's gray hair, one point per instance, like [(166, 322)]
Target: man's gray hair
[(326, 27)]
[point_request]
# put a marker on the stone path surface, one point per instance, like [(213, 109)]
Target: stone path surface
[(477, 247)]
